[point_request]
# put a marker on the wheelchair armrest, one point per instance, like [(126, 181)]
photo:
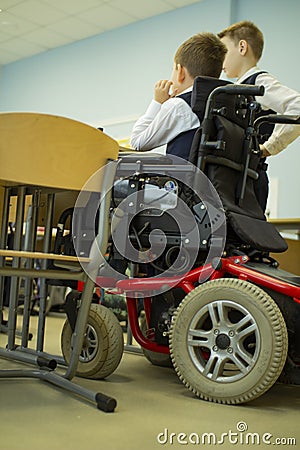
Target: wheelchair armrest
[(277, 118), (239, 89), (152, 163), (145, 157)]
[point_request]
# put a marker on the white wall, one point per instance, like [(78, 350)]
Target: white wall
[(109, 78)]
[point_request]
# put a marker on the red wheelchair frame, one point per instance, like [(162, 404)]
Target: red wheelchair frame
[(234, 265)]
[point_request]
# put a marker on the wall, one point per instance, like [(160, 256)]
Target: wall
[(108, 80)]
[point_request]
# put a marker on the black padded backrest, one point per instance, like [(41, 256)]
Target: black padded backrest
[(202, 88), (227, 179), (235, 104), (233, 107), (222, 148)]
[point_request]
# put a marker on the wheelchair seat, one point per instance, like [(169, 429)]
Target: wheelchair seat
[(275, 272)]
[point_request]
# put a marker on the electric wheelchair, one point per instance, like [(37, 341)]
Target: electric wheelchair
[(197, 246)]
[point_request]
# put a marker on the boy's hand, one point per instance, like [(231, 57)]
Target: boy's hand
[(161, 91), (264, 151)]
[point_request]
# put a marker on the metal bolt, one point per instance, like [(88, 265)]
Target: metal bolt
[(204, 242), (230, 350), (216, 332), (231, 333), (130, 204), (132, 185), (215, 348), (186, 241)]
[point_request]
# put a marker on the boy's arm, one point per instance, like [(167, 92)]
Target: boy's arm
[(143, 128), (161, 123), (282, 100)]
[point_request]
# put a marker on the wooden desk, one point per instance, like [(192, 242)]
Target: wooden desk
[(51, 151), (290, 259), (292, 224), (42, 154)]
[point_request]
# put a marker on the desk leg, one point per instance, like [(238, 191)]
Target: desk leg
[(14, 287), (80, 327), (43, 285), (3, 244), (29, 245)]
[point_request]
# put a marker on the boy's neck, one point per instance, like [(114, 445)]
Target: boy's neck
[(184, 87), (247, 65)]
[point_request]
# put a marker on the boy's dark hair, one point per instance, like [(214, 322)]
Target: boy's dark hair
[(202, 55), (247, 31)]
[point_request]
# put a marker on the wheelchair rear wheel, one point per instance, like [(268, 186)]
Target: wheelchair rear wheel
[(228, 341), (102, 347)]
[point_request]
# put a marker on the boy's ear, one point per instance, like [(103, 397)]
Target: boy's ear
[(243, 47), (181, 73)]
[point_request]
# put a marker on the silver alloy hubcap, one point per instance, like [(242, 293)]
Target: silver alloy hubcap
[(90, 345), (223, 341)]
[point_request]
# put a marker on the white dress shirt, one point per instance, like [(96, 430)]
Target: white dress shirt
[(282, 100), (162, 122)]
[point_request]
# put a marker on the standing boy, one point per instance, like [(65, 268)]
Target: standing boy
[(169, 118), (244, 42)]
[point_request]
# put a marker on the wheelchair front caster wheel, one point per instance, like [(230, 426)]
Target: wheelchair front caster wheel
[(102, 347), (228, 341)]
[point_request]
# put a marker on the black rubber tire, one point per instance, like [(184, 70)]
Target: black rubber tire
[(103, 344), (226, 369), (155, 358)]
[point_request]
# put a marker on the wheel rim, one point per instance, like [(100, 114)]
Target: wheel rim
[(90, 345), (223, 341)]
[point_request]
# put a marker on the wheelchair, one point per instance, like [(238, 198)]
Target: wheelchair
[(197, 244)]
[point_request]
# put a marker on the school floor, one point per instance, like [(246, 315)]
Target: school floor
[(152, 404)]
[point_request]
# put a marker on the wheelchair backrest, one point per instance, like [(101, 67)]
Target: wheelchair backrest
[(226, 149)]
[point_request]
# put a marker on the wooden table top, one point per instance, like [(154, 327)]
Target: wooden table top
[(51, 151)]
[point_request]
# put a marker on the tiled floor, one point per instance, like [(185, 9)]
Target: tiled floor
[(152, 404)]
